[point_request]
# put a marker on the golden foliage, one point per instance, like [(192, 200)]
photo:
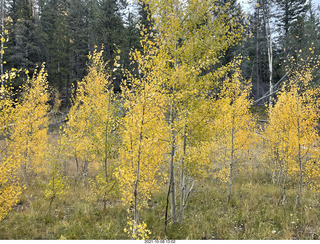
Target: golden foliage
[(140, 231), (143, 134), (89, 135), (10, 188), (24, 125), (57, 187), (291, 136), (143, 130), (231, 129), (28, 140)]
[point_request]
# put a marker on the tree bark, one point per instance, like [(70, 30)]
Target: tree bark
[(172, 165), (284, 196), (85, 172), (300, 168), (183, 176), (257, 54), (136, 210), (266, 17), (299, 148), (231, 157)]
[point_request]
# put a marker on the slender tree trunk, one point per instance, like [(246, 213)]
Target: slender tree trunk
[(167, 207), (183, 176), (266, 17), (136, 213), (68, 92), (273, 173), (85, 172), (106, 148), (173, 136), (284, 196), (300, 184), (299, 148), (136, 210), (280, 174), (300, 169), (77, 164), (231, 157), (172, 165), (106, 161), (257, 54), (183, 192), (52, 198)]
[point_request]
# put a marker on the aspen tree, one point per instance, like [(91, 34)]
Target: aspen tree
[(10, 187), (190, 157), (28, 144), (57, 187), (266, 18), (292, 127), (88, 136), (234, 123), (231, 128), (23, 123), (192, 36), (143, 135)]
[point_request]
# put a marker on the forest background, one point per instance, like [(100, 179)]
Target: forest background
[(159, 119), (61, 34)]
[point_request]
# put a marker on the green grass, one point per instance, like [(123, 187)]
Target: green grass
[(255, 212)]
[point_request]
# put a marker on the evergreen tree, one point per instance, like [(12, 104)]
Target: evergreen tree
[(78, 23), (23, 47), (292, 16), (132, 40), (56, 35), (106, 27)]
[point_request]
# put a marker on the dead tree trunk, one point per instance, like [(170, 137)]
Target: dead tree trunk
[(266, 17)]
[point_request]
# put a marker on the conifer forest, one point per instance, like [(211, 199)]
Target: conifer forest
[(160, 120)]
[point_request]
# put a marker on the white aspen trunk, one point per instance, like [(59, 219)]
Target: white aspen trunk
[(299, 148), (300, 178), (266, 17), (172, 166), (85, 172), (280, 173), (285, 184), (173, 135), (183, 176), (136, 214), (136, 210), (106, 161), (257, 54), (300, 165), (231, 157), (107, 149), (183, 191), (77, 164)]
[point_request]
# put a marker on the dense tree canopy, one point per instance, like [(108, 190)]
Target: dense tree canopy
[(62, 32)]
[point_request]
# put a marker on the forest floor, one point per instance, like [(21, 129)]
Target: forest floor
[(255, 212)]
